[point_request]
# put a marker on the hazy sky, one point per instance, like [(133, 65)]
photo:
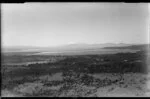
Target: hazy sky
[(54, 24)]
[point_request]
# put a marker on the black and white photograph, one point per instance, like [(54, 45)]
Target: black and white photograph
[(68, 49)]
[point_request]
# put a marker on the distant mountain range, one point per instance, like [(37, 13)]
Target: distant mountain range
[(69, 47), (132, 47)]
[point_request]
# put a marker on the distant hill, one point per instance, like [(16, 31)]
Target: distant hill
[(133, 47), (69, 47)]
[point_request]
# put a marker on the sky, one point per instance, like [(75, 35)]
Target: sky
[(55, 24)]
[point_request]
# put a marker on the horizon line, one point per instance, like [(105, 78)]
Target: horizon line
[(74, 44)]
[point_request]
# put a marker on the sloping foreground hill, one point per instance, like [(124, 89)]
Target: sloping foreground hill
[(104, 84)]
